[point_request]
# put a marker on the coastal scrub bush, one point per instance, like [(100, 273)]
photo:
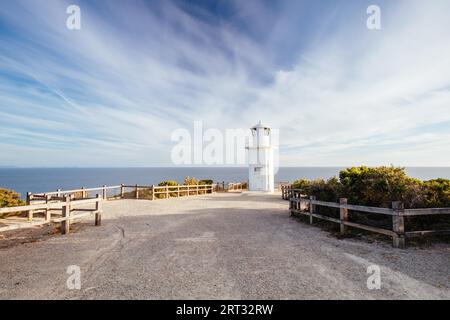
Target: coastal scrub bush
[(205, 182), (437, 193), (379, 187), (170, 183), (190, 181), (325, 190), (9, 198)]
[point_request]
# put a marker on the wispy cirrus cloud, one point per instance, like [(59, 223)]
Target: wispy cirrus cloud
[(111, 93)]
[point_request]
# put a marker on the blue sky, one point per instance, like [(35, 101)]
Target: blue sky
[(112, 93)]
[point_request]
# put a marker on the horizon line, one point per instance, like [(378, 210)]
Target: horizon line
[(206, 167)]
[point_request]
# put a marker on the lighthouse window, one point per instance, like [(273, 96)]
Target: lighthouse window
[(266, 131), (257, 169)]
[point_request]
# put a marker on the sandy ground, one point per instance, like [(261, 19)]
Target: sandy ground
[(222, 246)]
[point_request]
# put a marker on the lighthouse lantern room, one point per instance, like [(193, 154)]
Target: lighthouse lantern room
[(260, 157)]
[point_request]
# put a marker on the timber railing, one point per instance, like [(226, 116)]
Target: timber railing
[(163, 192), (81, 193), (287, 191), (66, 210), (298, 204), (150, 192), (235, 187), (126, 191), (63, 202), (227, 187)]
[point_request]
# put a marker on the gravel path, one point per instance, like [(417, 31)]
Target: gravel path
[(222, 246)]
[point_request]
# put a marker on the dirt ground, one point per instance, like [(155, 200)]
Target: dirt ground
[(221, 246)]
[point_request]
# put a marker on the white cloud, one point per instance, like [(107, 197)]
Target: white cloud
[(113, 92)]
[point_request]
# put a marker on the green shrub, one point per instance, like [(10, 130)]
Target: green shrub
[(205, 181), (325, 190), (379, 187), (437, 193), (169, 183), (9, 198), (190, 181)]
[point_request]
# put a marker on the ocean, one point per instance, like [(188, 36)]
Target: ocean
[(38, 180)]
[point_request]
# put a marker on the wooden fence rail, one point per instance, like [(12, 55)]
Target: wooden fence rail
[(235, 187), (169, 191), (60, 193), (68, 208), (82, 193), (288, 192), (64, 200), (298, 204)]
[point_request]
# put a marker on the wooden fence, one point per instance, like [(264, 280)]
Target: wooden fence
[(137, 191), (301, 205), (66, 211), (288, 192), (125, 191), (81, 193), (227, 187), (235, 187), (164, 192), (62, 202)]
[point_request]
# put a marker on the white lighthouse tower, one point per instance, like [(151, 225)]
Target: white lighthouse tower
[(260, 160)]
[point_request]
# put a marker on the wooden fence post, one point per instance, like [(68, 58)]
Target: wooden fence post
[(98, 211), (48, 214), (196, 188), (104, 192), (65, 224), (398, 223), (59, 193), (343, 214), (296, 195), (312, 208), (167, 192), (153, 192), (122, 190), (30, 212), (137, 191), (83, 193), (291, 207)]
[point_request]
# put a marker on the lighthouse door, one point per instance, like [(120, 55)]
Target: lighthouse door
[(258, 179)]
